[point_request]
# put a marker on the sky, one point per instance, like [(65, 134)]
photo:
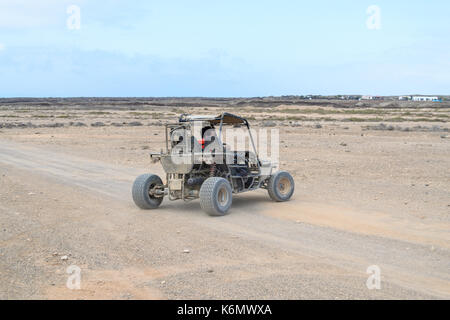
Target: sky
[(75, 48)]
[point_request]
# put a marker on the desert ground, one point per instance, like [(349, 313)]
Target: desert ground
[(372, 188)]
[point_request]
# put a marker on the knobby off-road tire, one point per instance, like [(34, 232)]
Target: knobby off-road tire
[(216, 196), (281, 186), (141, 188)]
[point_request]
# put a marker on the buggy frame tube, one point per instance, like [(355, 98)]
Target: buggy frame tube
[(253, 144), (167, 140), (220, 129)]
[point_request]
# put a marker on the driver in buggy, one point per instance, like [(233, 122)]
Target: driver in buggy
[(209, 135), (209, 138)]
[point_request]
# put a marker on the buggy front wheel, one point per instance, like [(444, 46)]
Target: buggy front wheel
[(281, 186)]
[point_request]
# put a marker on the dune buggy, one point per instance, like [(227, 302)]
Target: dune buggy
[(198, 164)]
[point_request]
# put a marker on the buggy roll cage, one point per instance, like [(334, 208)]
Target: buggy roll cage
[(224, 118)]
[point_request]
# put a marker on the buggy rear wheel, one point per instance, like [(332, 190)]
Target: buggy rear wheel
[(141, 191), (216, 196), (281, 186)]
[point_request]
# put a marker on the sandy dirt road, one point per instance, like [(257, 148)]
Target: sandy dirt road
[(53, 204)]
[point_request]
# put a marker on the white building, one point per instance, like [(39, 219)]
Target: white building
[(366, 98), (423, 98)]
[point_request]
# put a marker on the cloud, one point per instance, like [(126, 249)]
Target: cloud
[(2, 46), (20, 14), (40, 71), (116, 13), (50, 71)]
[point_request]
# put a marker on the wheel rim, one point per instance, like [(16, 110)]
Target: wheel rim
[(222, 196), (284, 186)]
